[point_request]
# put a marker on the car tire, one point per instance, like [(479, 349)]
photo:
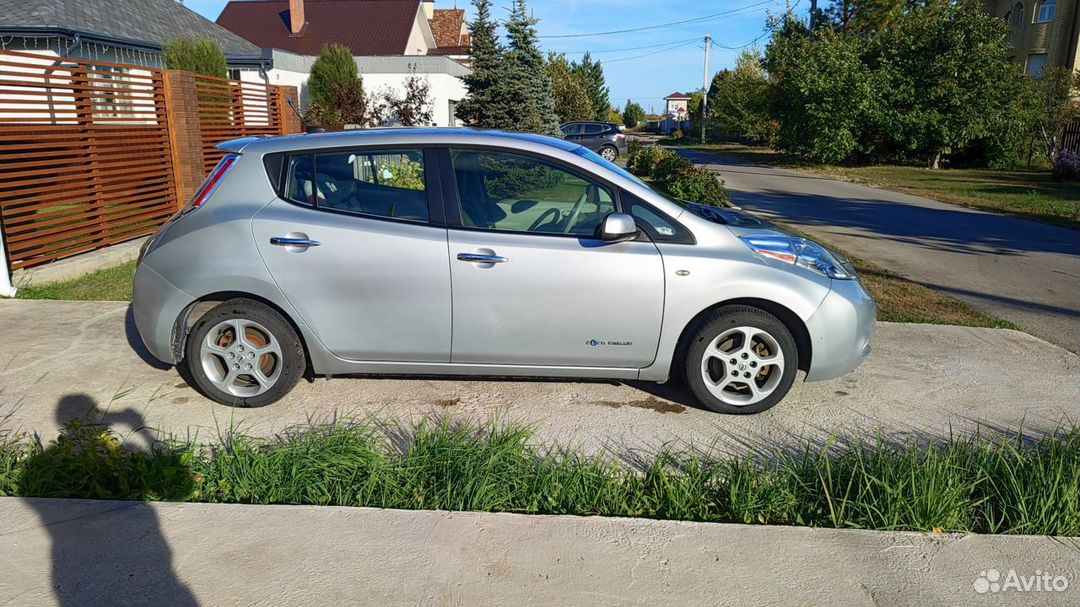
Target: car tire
[(255, 371), (732, 347), (609, 153)]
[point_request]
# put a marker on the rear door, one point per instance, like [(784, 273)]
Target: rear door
[(592, 136), (532, 282), (351, 243)]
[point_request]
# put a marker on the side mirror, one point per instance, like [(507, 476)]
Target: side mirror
[(619, 227)]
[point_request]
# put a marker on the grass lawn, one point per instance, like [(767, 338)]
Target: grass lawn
[(986, 484), (1031, 194), (110, 284)]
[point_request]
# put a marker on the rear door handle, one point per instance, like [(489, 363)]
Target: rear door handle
[(481, 258)]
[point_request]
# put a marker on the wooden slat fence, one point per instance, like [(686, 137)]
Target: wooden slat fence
[(88, 149), (84, 154), (229, 109)]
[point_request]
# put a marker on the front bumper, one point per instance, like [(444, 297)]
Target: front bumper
[(840, 330), (156, 305)]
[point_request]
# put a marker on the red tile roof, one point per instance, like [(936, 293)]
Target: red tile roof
[(447, 26), (367, 27), (677, 96)]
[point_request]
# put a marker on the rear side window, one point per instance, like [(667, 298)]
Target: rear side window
[(594, 129), (382, 183)]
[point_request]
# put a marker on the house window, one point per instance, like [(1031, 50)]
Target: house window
[(1045, 12), (1035, 64), (1017, 15), (234, 73)]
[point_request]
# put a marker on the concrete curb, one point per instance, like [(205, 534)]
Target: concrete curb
[(132, 553), (74, 267)]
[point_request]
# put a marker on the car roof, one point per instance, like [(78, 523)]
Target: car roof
[(393, 136)]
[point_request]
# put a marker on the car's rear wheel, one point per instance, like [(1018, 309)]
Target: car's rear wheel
[(242, 353), (740, 359), (609, 153)]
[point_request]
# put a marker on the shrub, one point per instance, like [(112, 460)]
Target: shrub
[(697, 185), (1067, 166), (642, 159), (334, 67), (193, 54), (677, 134)]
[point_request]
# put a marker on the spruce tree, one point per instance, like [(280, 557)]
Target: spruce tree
[(591, 74), (480, 107), (524, 88)]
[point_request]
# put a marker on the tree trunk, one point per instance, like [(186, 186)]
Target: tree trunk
[(936, 162)]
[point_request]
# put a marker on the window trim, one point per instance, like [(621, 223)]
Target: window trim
[(432, 186), (1036, 15), (453, 201)]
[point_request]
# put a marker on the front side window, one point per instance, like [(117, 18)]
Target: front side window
[(571, 129), (1045, 12), (379, 183), (516, 193)]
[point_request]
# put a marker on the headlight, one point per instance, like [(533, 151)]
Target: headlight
[(801, 252)]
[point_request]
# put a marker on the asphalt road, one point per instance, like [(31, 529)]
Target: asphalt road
[(1020, 270), (61, 360)]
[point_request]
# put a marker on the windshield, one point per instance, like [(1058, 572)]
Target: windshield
[(593, 156)]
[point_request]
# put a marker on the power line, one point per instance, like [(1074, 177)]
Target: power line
[(631, 48), (688, 43), (768, 30), (669, 24)]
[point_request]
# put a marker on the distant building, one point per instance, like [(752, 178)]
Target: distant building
[(1044, 32), (676, 113), (115, 31)]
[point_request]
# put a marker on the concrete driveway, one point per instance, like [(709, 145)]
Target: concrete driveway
[(1020, 270), (60, 359)]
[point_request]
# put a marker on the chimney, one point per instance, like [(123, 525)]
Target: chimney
[(429, 9), (296, 17)]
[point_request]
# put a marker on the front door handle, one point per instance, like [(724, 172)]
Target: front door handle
[(481, 258), (284, 241)]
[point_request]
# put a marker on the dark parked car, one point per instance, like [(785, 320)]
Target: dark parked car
[(604, 138)]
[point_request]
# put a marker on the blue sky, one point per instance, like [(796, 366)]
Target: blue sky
[(642, 65)]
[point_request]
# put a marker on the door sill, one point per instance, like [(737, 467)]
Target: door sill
[(354, 367)]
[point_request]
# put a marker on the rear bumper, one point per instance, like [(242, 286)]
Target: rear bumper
[(156, 305), (840, 330)]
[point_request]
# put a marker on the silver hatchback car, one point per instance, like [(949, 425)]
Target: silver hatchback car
[(460, 252)]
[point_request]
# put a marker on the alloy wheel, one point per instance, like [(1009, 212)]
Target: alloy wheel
[(742, 366), (241, 357)]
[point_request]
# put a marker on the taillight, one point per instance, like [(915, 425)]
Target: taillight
[(213, 180)]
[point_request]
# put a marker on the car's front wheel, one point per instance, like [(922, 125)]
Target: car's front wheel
[(609, 153), (242, 353), (740, 359)]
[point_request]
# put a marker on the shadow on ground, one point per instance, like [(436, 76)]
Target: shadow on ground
[(121, 547)]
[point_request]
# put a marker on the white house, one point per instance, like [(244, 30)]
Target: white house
[(389, 39)]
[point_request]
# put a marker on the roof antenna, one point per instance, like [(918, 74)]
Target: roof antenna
[(308, 127)]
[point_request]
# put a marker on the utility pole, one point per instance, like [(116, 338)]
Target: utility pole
[(813, 15), (705, 87)]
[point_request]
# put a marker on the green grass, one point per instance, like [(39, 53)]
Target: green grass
[(978, 483), (110, 284), (1032, 194)]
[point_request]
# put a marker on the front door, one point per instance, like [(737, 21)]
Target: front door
[(532, 282), (353, 252)]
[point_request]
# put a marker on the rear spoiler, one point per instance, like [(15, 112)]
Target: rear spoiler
[(234, 146)]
